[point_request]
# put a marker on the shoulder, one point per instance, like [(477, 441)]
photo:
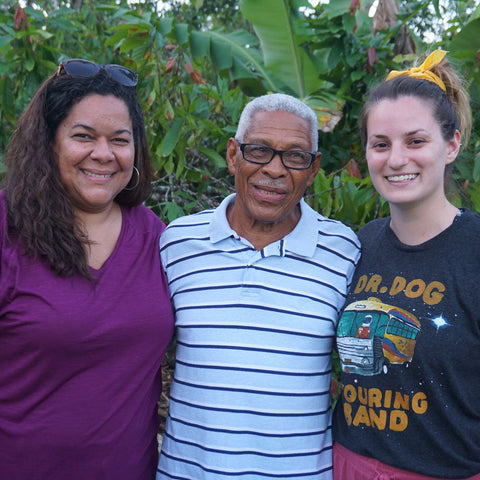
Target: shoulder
[(143, 219), (470, 219), (467, 230), (200, 218), (335, 227), (188, 226), (317, 236), (328, 227), (373, 229)]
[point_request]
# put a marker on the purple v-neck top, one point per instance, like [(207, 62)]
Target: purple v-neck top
[(80, 361)]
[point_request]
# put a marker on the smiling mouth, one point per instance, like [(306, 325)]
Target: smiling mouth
[(97, 175), (268, 192), (402, 178)]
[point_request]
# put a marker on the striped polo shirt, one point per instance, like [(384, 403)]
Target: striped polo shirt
[(251, 394)]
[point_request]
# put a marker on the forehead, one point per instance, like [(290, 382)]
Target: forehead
[(278, 127), (406, 109), (100, 107)]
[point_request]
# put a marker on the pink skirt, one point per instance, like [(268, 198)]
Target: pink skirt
[(348, 465)]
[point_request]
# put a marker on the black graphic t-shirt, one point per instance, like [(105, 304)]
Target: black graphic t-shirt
[(409, 344)]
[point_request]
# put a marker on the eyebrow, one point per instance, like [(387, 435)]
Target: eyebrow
[(407, 134), (293, 146), (91, 129)]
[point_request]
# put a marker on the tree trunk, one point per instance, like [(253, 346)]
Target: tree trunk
[(385, 18)]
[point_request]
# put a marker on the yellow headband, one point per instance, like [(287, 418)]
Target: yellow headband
[(423, 71)]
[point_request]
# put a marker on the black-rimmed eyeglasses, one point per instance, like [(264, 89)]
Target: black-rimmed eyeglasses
[(78, 67), (262, 154)]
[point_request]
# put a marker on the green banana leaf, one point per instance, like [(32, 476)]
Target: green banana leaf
[(281, 36)]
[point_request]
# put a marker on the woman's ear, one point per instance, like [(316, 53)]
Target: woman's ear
[(453, 147)]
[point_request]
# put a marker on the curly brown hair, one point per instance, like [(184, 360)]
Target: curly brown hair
[(40, 213)]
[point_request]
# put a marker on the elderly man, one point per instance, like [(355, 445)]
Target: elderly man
[(257, 285)]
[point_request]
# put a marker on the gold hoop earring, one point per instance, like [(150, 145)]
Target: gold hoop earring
[(138, 180)]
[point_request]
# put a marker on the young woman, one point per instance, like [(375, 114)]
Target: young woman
[(409, 336), (85, 314)]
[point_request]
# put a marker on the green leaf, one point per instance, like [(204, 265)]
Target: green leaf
[(275, 24), (173, 211), (181, 33), (349, 23), (135, 26), (221, 54), (29, 64), (131, 43), (467, 39), (337, 8), (217, 160), (171, 138), (5, 40), (199, 44), (165, 25), (115, 39), (232, 50), (476, 168)]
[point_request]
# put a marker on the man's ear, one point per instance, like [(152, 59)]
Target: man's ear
[(314, 168), (232, 155)]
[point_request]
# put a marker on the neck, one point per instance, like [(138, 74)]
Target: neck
[(102, 229), (416, 225), (260, 233)]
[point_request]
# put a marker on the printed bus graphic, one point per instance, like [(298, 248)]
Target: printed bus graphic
[(372, 335)]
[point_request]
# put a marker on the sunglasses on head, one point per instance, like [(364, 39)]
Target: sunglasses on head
[(77, 67)]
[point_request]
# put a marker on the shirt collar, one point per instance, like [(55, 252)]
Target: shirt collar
[(302, 240)]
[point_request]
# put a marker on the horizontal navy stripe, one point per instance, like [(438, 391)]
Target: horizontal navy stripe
[(282, 273), (248, 452), (251, 390), (256, 286), (321, 266), (249, 306), (251, 432), (239, 411), (336, 254), (246, 472), (201, 271), (256, 349), (254, 370), (282, 331), (315, 281), (353, 242), (205, 254), (174, 477), (205, 270)]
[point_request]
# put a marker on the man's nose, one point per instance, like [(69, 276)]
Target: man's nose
[(275, 167)]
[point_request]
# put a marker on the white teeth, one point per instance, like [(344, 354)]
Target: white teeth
[(401, 178), (90, 174), (267, 192)]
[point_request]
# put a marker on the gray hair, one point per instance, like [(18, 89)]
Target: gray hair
[(278, 102)]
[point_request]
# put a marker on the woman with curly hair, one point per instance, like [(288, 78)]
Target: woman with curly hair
[(85, 315)]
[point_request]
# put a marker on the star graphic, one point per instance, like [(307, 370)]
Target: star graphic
[(440, 322)]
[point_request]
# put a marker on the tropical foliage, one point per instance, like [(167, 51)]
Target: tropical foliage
[(200, 62)]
